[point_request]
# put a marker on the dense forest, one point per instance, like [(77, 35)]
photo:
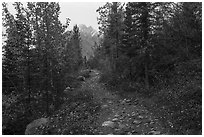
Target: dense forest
[(148, 49), (38, 55)]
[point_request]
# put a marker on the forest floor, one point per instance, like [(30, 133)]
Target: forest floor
[(104, 113)]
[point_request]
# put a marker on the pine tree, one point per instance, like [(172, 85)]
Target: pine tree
[(130, 37), (111, 23), (10, 56), (139, 31), (187, 24), (76, 44), (49, 47), (24, 40)]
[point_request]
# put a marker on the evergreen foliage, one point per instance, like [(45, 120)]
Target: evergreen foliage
[(37, 59)]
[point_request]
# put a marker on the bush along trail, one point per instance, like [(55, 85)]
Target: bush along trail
[(92, 109)]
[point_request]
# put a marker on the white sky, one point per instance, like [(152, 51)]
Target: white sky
[(78, 12)]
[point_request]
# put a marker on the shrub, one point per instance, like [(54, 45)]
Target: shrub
[(181, 104)]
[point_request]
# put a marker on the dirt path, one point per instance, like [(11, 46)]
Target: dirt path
[(120, 115)]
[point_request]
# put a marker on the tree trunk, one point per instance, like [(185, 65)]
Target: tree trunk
[(130, 69), (47, 84), (28, 79), (47, 61), (146, 76), (186, 44), (113, 59)]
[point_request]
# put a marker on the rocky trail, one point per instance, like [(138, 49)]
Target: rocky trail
[(105, 113), (120, 115)]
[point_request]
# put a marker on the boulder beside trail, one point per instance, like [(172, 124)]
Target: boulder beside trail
[(68, 89), (85, 73), (81, 78), (31, 128)]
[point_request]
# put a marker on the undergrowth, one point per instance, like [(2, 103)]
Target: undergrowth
[(176, 100), (75, 117)]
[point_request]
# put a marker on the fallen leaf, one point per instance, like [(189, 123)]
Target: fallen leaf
[(136, 122), (140, 116), (115, 119), (154, 132), (108, 124)]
